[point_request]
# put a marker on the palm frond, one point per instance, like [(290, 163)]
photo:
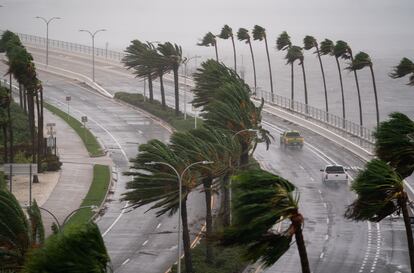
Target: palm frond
[(208, 40), (259, 33), (309, 42), (243, 35), (405, 67), (226, 32), (283, 41), (326, 47), (361, 60)]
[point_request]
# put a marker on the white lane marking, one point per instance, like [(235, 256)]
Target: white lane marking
[(158, 226), (125, 262), (116, 220), (327, 221), (325, 205), (144, 243), (311, 178), (300, 166), (326, 237), (322, 254)]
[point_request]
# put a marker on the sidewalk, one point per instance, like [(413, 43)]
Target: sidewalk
[(62, 192)]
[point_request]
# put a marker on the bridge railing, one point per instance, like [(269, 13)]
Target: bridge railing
[(358, 134)]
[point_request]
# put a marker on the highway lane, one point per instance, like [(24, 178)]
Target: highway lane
[(331, 253)]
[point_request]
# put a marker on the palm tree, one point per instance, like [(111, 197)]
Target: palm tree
[(259, 33), (4, 119), (394, 143), (309, 43), (264, 201), (295, 53), (209, 40), (217, 147), (157, 185), (243, 35), (80, 248), (380, 193), (226, 33), (171, 55), (405, 67), (283, 43), (360, 61)]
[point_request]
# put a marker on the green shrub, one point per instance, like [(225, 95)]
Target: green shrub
[(51, 163)]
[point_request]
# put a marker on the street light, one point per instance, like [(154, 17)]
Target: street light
[(180, 178), (47, 34), (244, 130), (185, 82), (60, 226), (93, 48)]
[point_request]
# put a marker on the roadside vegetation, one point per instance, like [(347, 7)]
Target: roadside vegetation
[(89, 140)]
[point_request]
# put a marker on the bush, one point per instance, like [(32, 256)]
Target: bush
[(51, 163)]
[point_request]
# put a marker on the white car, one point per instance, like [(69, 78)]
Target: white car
[(334, 174)]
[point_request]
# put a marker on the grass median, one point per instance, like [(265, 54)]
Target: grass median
[(155, 108), (89, 140), (96, 194)]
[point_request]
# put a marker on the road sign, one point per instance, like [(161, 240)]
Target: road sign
[(20, 169), (68, 98), (50, 124), (84, 119)]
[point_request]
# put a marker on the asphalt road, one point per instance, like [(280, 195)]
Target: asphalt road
[(334, 244)]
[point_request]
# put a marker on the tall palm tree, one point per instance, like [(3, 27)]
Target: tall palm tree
[(259, 33), (360, 61), (4, 119), (172, 57), (243, 35), (283, 43), (295, 53), (158, 185), (394, 143), (380, 193), (209, 40), (310, 42), (405, 67), (264, 201), (226, 33)]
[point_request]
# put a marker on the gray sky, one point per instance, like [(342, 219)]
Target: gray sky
[(382, 26)]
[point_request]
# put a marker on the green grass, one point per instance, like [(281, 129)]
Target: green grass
[(89, 140), (96, 194), (155, 108)]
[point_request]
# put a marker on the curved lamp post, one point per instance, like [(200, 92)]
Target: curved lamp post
[(60, 226), (93, 48), (185, 82), (180, 178), (47, 34)]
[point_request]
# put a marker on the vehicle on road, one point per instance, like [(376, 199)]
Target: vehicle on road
[(333, 174), (291, 139)]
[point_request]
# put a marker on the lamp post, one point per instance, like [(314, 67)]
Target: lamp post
[(244, 130), (180, 178), (93, 48), (185, 82), (47, 34)]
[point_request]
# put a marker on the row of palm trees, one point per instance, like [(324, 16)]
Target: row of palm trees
[(22, 68), (231, 131), (150, 62), (340, 50)]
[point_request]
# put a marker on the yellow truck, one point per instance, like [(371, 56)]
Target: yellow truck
[(291, 139)]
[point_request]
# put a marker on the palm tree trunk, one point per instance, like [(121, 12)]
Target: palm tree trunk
[(342, 92), (150, 88), (30, 104), (5, 143), (359, 94), (215, 47), (270, 69), (244, 158), (375, 93), (10, 121), (209, 219), (403, 204), (162, 91), (186, 238), (20, 95), (176, 91), (234, 53), (324, 82), (292, 85), (39, 132), (226, 200), (297, 221), (254, 66), (24, 100), (305, 87)]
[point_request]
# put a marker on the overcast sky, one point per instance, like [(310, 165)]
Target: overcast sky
[(382, 26)]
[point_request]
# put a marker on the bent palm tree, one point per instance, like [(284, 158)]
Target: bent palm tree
[(243, 35), (283, 43), (309, 43), (259, 33), (340, 50), (264, 201), (360, 61), (226, 33), (380, 193), (295, 53), (209, 40), (158, 185), (405, 67)]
